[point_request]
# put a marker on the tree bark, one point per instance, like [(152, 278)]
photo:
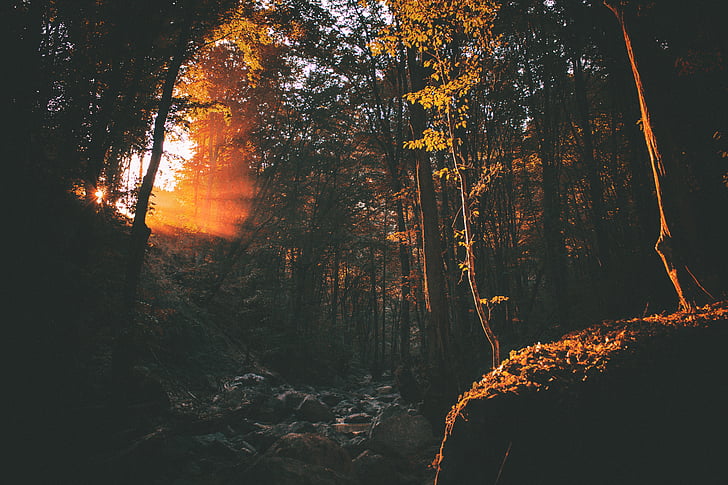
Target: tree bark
[(140, 232), (687, 287), (596, 190), (435, 296)]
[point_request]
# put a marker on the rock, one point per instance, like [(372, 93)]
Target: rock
[(356, 445), (370, 406), (358, 418), (313, 410), (240, 444), (291, 399), (382, 390), (272, 410), (248, 379), (388, 412), (352, 429), (265, 435), (216, 443), (401, 435), (313, 449), (331, 398), (388, 398), (371, 468), (655, 413), (345, 408), (407, 384), (274, 470)]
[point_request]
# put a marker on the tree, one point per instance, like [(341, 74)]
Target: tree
[(194, 23), (670, 244), (451, 41)]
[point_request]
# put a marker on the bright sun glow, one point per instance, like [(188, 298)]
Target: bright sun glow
[(177, 150), (99, 196)]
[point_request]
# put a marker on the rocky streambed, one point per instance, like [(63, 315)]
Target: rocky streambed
[(259, 430)]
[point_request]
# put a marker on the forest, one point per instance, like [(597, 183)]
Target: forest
[(331, 241)]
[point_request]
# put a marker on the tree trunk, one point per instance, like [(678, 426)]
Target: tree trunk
[(668, 247), (140, 231), (442, 387), (592, 165), (555, 259), (404, 308), (434, 281)]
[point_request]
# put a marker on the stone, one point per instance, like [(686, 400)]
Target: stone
[(263, 437), (372, 468), (352, 429), (272, 410), (275, 470), (407, 384), (313, 449), (358, 418), (356, 445), (291, 399), (313, 410), (383, 390), (248, 379), (331, 398), (216, 443), (401, 435)]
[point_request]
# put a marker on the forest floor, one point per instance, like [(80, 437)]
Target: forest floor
[(192, 402), (195, 404)]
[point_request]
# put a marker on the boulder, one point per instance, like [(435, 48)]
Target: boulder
[(407, 385), (264, 436), (313, 449), (372, 468), (313, 410), (331, 398), (401, 435), (274, 470), (272, 410), (652, 411)]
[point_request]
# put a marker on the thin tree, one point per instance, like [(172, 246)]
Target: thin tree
[(140, 232)]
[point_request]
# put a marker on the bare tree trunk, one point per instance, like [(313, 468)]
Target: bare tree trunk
[(686, 285), (404, 308), (594, 181), (140, 231), (435, 296), (441, 369), (376, 367)]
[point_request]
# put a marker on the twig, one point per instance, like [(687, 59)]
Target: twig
[(503, 463)]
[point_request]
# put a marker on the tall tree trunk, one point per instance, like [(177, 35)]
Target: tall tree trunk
[(384, 296), (555, 259), (404, 307), (434, 281), (335, 290), (668, 247), (140, 231), (440, 368), (596, 190), (376, 363)]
